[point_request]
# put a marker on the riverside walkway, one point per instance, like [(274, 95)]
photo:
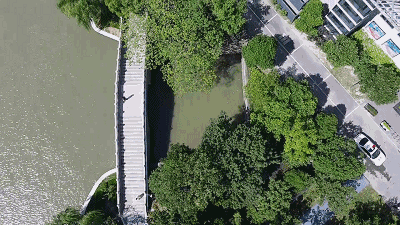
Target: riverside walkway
[(131, 139)]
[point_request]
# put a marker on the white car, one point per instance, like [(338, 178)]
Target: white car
[(374, 153)]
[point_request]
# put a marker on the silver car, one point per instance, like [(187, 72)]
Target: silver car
[(370, 150)]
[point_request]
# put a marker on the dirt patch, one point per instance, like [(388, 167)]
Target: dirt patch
[(112, 30)]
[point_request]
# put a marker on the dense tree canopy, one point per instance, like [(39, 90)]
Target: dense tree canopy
[(285, 108), (70, 216), (310, 18), (123, 8), (84, 11), (226, 170), (342, 52), (185, 38), (337, 159), (371, 213), (381, 83), (260, 51)]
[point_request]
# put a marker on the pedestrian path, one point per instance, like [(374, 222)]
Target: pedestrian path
[(131, 149)]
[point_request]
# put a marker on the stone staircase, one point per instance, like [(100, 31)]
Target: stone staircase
[(132, 146)]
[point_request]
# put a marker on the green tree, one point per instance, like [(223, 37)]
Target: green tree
[(123, 8), (337, 160), (381, 83), (275, 207), (225, 171), (299, 180), (85, 10), (285, 109), (300, 141), (342, 52), (260, 51), (186, 41), (70, 216), (92, 218), (229, 14), (175, 186), (310, 18), (326, 125), (371, 213), (338, 196), (239, 155)]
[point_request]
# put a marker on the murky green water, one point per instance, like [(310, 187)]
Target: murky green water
[(56, 110), (174, 119), (192, 112)]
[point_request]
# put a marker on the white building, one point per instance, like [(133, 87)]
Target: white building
[(380, 18)]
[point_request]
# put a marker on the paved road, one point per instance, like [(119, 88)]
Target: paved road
[(296, 58)]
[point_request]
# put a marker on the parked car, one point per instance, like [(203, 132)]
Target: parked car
[(370, 149)]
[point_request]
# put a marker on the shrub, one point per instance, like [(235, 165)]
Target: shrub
[(342, 52), (69, 216), (91, 218), (310, 18), (371, 109), (260, 51)]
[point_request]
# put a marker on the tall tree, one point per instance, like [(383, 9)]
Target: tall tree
[(175, 185), (239, 155), (185, 38), (86, 10), (371, 213), (70, 216), (337, 159), (225, 171), (275, 207), (260, 51), (310, 18), (285, 108)]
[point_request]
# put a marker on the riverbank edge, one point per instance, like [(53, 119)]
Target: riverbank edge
[(94, 188), (102, 32)]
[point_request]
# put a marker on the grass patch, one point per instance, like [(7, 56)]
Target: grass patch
[(378, 56), (367, 194), (345, 75)]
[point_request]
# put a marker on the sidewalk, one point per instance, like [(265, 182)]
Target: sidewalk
[(297, 56)]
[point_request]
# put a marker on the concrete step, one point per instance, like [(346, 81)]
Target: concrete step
[(137, 153), (133, 83), (133, 160), (132, 132)]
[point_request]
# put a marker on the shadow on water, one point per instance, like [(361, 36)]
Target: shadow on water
[(160, 109), (224, 66)]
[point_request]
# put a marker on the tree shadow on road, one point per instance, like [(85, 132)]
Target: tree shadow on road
[(256, 22), (319, 88), (291, 71), (349, 130), (284, 49)]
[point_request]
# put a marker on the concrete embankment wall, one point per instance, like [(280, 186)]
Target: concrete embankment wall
[(95, 186), (102, 32)]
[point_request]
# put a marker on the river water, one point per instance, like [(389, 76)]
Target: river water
[(56, 110)]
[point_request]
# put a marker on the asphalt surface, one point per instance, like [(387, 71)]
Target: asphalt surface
[(296, 59)]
